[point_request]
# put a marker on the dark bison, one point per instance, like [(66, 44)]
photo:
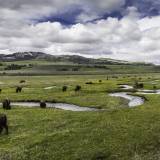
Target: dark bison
[(138, 85), (3, 123), (0, 90), (64, 89), (6, 104), (18, 89), (78, 88), (43, 104)]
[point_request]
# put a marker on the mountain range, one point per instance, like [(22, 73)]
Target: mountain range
[(23, 56)]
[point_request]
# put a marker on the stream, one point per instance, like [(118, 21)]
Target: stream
[(64, 106), (133, 100)]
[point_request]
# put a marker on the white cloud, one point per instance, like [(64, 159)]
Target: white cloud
[(130, 38), (96, 8)]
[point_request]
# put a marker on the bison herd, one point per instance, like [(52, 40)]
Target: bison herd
[(6, 104)]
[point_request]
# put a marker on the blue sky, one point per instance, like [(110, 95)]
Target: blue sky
[(119, 29), (146, 8)]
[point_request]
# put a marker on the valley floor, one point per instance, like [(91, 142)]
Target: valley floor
[(117, 133)]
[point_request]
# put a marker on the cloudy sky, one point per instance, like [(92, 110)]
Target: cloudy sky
[(118, 29)]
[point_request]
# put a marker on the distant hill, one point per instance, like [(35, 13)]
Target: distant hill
[(22, 56)]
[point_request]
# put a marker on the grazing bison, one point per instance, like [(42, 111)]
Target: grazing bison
[(78, 88), (138, 85), (0, 90), (64, 89), (6, 104), (18, 89), (43, 104), (3, 123)]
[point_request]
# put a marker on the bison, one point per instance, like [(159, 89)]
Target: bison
[(18, 89), (64, 89), (43, 104), (78, 88), (6, 104), (138, 85), (3, 123)]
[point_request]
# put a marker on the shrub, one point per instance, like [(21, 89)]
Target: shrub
[(22, 81), (75, 69), (89, 82), (154, 87), (14, 67)]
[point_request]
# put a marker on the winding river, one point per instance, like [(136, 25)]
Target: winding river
[(133, 100), (125, 86), (141, 91)]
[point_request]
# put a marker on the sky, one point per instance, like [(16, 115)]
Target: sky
[(119, 29)]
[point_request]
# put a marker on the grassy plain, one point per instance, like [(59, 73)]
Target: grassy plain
[(45, 67), (119, 133)]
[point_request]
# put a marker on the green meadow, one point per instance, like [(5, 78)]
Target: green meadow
[(115, 133), (46, 67)]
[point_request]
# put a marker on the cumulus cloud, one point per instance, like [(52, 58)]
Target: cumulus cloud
[(130, 38), (49, 6)]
